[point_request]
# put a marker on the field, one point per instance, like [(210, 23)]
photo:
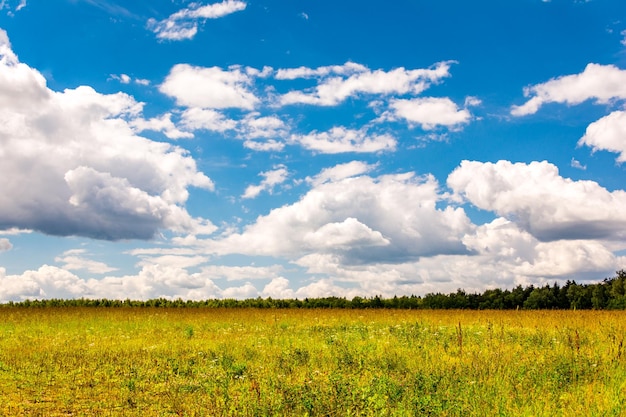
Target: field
[(251, 362)]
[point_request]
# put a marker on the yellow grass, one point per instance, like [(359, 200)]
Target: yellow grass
[(206, 362)]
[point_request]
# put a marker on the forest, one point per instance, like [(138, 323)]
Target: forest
[(609, 294)]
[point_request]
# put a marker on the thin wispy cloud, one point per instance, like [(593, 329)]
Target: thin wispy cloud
[(184, 23)]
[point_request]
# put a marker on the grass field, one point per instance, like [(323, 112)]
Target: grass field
[(210, 362)]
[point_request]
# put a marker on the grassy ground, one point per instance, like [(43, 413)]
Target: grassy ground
[(153, 362)]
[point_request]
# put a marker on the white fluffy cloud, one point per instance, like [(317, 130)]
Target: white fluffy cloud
[(206, 91), (278, 288), (271, 179), (206, 119), (76, 166), (430, 112), (600, 82), (503, 243), (609, 134), (361, 219), (337, 83), (209, 88), (542, 202), (5, 245), (163, 124), (254, 126), (184, 23), (341, 140)]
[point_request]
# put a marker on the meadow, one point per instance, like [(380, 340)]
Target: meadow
[(317, 362)]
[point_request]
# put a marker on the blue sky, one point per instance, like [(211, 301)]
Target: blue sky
[(309, 148)]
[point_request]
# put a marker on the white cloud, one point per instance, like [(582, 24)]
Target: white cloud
[(270, 145), (115, 205), (74, 259), (46, 282), (430, 112), (14, 231), (156, 281), (503, 242), (241, 273), (600, 82), (209, 88), (609, 134), (160, 124), (361, 219), (122, 78), (11, 7), (576, 164), (542, 202), (340, 172), (337, 83), (55, 144), (184, 23), (253, 127), (206, 119), (173, 261), (5, 245), (341, 140), (278, 288), (127, 79), (623, 41), (349, 68), (344, 235), (271, 179)]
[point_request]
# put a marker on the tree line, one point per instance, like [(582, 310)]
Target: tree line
[(608, 294)]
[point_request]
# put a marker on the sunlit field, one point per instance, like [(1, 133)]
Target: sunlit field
[(249, 362)]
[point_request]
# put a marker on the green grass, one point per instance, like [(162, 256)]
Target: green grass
[(160, 362)]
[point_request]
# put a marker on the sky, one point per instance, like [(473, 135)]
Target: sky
[(309, 148)]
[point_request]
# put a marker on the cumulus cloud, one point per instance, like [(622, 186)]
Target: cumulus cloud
[(254, 126), (206, 119), (342, 140), (609, 134), (516, 250), (5, 245), (209, 88), (184, 23), (360, 219), (271, 179), (337, 83), (278, 288), (340, 172), (163, 124), (77, 166), (542, 202), (600, 82), (430, 112)]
